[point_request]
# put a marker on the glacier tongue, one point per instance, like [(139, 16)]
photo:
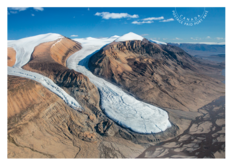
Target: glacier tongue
[(24, 48), (119, 106), (46, 82)]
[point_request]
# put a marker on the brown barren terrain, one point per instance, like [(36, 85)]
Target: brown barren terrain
[(161, 75), (49, 59), (11, 56), (42, 125)]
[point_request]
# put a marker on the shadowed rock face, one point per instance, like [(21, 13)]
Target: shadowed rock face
[(162, 75), (49, 59)]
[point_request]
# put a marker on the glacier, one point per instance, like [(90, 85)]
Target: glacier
[(46, 82), (24, 48), (119, 106)]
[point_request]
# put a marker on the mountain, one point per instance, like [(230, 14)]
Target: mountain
[(55, 111), (162, 75), (42, 125), (140, 95)]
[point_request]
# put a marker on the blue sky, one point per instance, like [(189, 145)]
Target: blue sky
[(152, 23)]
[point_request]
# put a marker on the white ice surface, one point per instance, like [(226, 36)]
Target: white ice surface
[(46, 82), (119, 106), (158, 42), (129, 36), (24, 47)]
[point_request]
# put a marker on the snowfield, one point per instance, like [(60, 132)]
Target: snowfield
[(117, 105), (129, 36), (24, 47)]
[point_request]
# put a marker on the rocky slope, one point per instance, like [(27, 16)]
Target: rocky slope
[(162, 75), (49, 59), (41, 125)]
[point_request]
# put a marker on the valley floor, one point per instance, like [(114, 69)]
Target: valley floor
[(204, 138)]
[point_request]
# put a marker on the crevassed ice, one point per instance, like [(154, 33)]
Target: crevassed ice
[(46, 82), (24, 48), (119, 106)]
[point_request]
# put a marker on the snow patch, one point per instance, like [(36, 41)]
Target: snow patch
[(157, 42), (56, 42), (129, 36)]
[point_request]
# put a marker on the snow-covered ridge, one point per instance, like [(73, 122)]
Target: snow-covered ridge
[(129, 36), (24, 49), (25, 46), (119, 106), (157, 42)]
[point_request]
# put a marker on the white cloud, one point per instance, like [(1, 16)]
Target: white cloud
[(18, 7), (38, 7), (13, 12), (177, 38), (74, 35), (219, 38), (208, 37), (167, 20), (195, 38), (142, 22), (164, 38), (154, 18), (107, 15), (33, 15), (143, 35)]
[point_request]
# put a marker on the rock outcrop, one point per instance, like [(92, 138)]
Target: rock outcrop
[(49, 59), (161, 75), (42, 125)]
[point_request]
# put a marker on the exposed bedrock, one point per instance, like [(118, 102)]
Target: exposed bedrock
[(49, 59), (42, 125), (161, 75)]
